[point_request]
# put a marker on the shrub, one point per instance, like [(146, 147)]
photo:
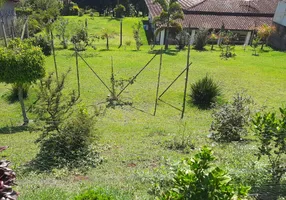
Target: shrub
[(136, 34), (198, 179), (271, 132), (94, 194), (67, 138), (44, 44), (201, 39), (7, 179), (80, 39), (183, 39), (227, 46), (231, 120), (204, 92)]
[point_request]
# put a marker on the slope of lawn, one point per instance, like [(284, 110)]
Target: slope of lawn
[(133, 141)]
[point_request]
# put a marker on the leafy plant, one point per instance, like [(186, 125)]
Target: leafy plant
[(43, 43), (13, 96), (21, 63), (255, 43), (201, 39), (80, 39), (61, 28), (67, 138), (263, 32), (204, 92), (271, 132), (227, 45), (136, 34), (213, 37), (198, 179), (7, 179), (107, 34), (231, 119), (183, 39)]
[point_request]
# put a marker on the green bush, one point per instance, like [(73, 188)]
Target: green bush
[(204, 92), (44, 44), (94, 194), (201, 39), (198, 179), (230, 120)]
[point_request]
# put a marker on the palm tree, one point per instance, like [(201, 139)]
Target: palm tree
[(171, 11)]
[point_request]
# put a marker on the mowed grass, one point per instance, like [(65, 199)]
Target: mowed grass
[(133, 141)]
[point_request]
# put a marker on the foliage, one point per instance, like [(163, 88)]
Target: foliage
[(201, 39), (204, 92), (51, 7), (263, 32), (198, 179), (43, 43), (231, 119), (94, 194), (255, 43), (271, 132), (213, 37), (66, 140), (183, 39), (171, 11), (227, 45), (61, 27), (119, 10), (21, 63), (7, 179), (136, 34), (80, 39)]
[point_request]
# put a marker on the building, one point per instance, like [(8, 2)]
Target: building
[(278, 39), (7, 16), (239, 16)]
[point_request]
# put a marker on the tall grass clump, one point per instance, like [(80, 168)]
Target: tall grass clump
[(205, 92)]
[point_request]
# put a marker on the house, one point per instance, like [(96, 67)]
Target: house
[(238, 16), (7, 16), (278, 39)]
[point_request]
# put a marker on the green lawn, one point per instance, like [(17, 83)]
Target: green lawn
[(132, 140)]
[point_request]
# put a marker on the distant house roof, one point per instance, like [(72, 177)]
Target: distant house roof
[(234, 14)]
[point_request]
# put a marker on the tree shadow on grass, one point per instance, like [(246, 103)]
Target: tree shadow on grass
[(170, 52), (13, 129)]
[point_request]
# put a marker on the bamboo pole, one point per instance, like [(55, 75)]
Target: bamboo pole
[(158, 83)]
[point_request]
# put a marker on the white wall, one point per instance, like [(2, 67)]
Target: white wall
[(7, 14), (280, 14)]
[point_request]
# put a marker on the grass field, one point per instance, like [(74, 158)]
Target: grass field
[(133, 141)]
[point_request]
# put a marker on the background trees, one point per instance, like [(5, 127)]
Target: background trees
[(171, 11)]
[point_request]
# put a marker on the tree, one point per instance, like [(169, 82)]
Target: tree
[(107, 34), (263, 32), (21, 63), (171, 11), (136, 34)]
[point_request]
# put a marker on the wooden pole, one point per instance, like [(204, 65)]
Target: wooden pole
[(120, 34), (24, 29), (4, 33), (112, 80), (158, 83), (186, 80), (77, 73), (54, 55)]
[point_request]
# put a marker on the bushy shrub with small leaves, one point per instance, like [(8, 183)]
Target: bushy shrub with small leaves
[(204, 92), (198, 179), (201, 39), (230, 120)]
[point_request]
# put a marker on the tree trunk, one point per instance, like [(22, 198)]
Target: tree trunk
[(166, 38), (262, 46), (21, 100)]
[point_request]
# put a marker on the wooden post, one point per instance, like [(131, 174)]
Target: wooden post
[(27, 28), (120, 34), (112, 79), (186, 80), (4, 33), (54, 55), (158, 83), (77, 73)]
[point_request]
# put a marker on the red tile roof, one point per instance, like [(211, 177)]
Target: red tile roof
[(235, 14)]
